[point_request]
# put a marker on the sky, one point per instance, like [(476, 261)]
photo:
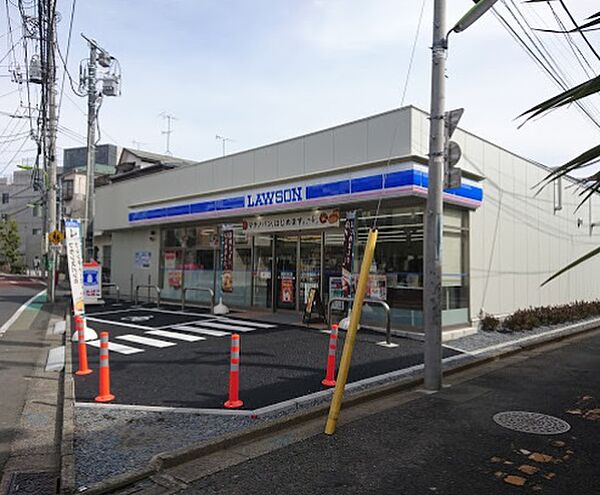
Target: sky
[(265, 70)]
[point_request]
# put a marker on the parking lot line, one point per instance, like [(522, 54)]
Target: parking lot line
[(175, 335), (114, 347), (247, 323), (202, 331), (138, 339), (235, 328)]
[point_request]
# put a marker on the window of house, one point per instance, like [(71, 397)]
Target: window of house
[(36, 211), (4, 198), (36, 231), (68, 189)]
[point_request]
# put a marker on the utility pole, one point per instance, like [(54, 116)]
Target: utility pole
[(52, 188), (88, 223), (432, 295), (168, 118)]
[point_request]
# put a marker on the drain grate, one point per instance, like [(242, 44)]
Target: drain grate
[(531, 422), (40, 483)]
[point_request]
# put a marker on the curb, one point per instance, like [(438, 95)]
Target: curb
[(67, 458), (378, 386)]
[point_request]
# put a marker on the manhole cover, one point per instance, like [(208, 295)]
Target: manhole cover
[(531, 422)]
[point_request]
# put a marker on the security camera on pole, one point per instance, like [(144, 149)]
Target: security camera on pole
[(110, 70), (443, 155)]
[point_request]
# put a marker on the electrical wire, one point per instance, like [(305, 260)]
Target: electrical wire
[(590, 46), (65, 71)]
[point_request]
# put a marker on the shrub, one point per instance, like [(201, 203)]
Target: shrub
[(489, 323), (527, 319)]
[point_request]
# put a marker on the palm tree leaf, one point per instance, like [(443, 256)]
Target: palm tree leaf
[(578, 261), (581, 161), (567, 97)]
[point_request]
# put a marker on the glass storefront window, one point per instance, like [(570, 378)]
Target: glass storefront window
[(262, 270)]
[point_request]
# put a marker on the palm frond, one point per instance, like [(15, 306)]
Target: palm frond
[(578, 261)]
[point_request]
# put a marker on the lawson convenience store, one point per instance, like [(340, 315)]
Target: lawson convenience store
[(263, 227)]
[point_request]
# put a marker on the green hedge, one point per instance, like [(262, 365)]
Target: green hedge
[(527, 319)]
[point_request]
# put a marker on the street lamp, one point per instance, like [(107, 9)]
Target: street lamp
[(432, 290)]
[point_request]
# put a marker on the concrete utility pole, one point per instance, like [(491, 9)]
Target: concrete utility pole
[(432, 295), (88, 221), (51, 140)]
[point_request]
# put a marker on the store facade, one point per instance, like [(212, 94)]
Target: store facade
[(263, 227)]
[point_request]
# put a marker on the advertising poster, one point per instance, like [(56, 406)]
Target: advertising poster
[(377, 287), (348, 254), (92, 282), (75, 264), (286, 288), (170, 260), (174, 278), (142, 259), (227, 257)]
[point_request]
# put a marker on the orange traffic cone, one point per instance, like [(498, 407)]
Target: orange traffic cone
[(82, 348), (234, 374), (104, 394), (329, 380)]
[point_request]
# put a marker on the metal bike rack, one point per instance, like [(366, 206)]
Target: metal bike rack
[(372, 302), (145, 286), (198, 289), (117, 289)]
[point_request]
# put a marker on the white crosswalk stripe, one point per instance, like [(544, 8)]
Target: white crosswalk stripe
[(138, 339), (114, 347), (227, 326), (201, 331), (247, 323), (175, 335)]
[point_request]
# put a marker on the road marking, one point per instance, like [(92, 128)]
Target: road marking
[(202, 331), (235, 328), (138, 339), (247, 323), (17, 313), (118, 323), (175, 335), (168, 311), (114, 347)]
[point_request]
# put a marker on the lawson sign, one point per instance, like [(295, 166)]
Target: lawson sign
[(398, 180)]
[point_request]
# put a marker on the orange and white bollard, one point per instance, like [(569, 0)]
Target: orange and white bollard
[(104, 394), (329, 380), (234, 374), (82, 348)]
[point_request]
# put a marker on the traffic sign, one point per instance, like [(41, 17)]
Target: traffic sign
[(56, 237)]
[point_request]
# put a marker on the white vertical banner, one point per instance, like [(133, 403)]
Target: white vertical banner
[(75, 262)]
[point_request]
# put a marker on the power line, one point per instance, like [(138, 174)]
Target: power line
[(591, 47)]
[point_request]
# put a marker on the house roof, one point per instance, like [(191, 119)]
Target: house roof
[(148, 156)]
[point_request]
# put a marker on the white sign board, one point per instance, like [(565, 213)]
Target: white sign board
[(142, 259), (75, 262), (302, 220), (92, 283)]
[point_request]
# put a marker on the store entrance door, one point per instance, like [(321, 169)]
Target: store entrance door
[(286, 270), (309, 267)]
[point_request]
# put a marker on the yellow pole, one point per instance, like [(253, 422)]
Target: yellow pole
[(342, 377)]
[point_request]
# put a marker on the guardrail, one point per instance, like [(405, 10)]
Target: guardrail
[(114, 286), (373, 302), (146, 286), (198, 289)]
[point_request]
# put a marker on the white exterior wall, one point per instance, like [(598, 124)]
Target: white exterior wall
[(516, 239), (124, 246)]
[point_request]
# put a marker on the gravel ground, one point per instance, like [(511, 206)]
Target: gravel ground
[(481, 340)]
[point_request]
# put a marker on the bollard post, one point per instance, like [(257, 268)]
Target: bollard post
[(104, 394), (234, 375), (329, 380), (82, 348)]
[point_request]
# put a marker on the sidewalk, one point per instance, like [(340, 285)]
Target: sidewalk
[(444, 443), (30, 412)]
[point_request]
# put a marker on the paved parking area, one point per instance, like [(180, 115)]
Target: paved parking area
[(165, 357)]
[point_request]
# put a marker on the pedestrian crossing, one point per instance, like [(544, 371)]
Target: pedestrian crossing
[(191, 332)]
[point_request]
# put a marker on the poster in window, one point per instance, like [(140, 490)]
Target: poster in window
[(227, 256), (286, 288), (347, 254), (377, 287), (336, 290), (174, 278), (170, 259)]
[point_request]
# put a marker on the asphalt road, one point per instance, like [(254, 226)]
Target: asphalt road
[(14, 291), (20, 349), (277, 363), (447, 443)]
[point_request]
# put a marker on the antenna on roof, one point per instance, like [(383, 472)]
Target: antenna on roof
[(137, 144), (223, 141), (168, 117)]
